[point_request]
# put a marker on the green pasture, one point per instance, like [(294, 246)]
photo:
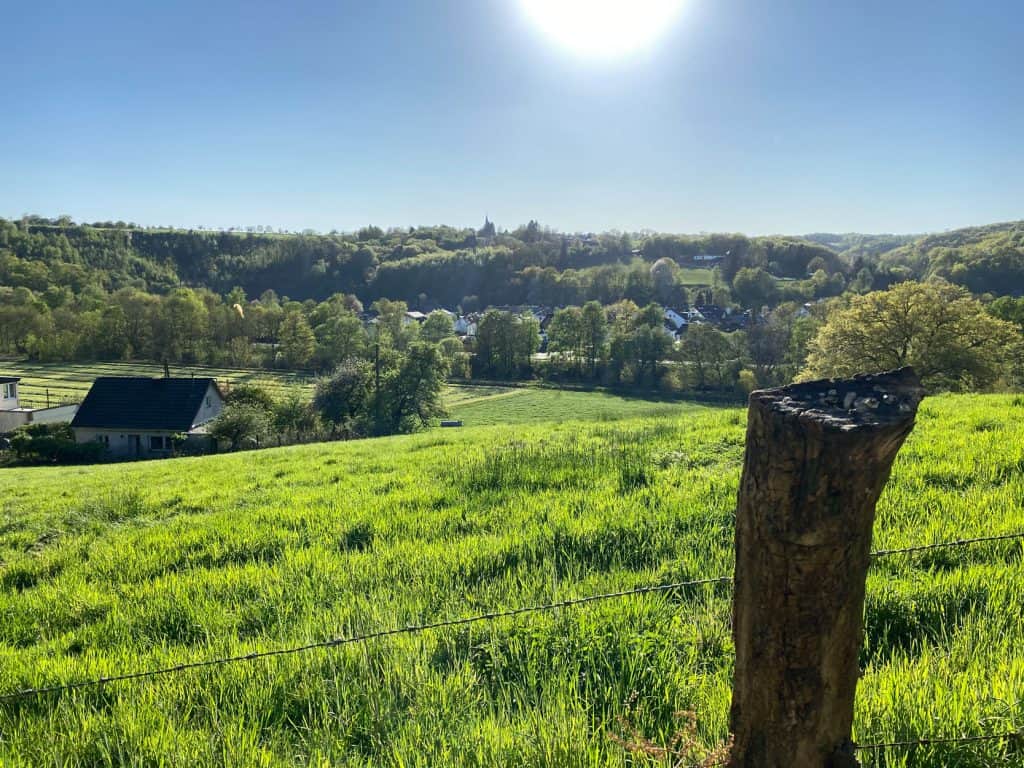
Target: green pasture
[(695, 276), (474, 405), (69, 382), (485, 406), (118, 568)]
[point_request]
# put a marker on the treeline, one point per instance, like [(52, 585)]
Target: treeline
[(442, 265), (478, 268)]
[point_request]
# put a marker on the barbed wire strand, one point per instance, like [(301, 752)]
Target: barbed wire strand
[(416, 628), (943, 544), (940, 740), (338, 641)]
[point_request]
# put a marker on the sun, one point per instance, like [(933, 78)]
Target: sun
[(603, 28)]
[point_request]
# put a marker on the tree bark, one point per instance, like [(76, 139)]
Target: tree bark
[(817, 457)]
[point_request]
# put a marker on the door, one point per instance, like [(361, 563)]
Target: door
[(135, 441)]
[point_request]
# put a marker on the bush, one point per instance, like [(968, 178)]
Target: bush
[(52, 444)]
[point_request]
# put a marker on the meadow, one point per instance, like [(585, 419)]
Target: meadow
[(475, 405), (118, 568), (69, 382), (492, 405)]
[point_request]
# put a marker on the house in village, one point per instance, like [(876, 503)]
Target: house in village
[(465, 325), (13, 414), (137, 417)]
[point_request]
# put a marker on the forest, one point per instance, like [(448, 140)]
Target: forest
[(116, 291)]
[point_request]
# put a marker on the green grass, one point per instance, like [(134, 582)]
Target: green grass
[(695, 276), (69, 382), (475, 405), (118, 568), (485, 406)]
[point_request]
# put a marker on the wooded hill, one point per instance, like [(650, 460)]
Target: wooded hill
[(453, 266)]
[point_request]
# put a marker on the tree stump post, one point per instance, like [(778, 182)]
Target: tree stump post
[(817, 457)]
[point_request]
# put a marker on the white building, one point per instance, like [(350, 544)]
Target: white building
[(14, 415), (139, 417)]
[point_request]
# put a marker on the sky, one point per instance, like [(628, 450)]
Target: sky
[(756, 116)]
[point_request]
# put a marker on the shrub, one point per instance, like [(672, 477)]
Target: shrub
[(52, 444)]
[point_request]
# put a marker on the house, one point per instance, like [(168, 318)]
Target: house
[(137, 417), (413, 317), (9, 393), (13, 414), (675, 319), (465, 326)]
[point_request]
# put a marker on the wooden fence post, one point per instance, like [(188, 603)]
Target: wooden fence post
[(818, 455)]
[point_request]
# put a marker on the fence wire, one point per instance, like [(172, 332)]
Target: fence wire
[(924, 742), (417, 628)]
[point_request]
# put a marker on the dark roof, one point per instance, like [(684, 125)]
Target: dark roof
[(9, 379), (141, 403)]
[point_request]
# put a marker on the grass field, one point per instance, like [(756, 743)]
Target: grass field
[(486, 406), (69, 382), (474, 405), (696, 276), (119, 568)]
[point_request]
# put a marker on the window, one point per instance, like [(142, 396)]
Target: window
[(209, 402), (159, 443), (103, 439), (10, 391)]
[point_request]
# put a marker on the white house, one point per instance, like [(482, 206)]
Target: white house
[(465, 326), (138, 417), (8, 393), (14, 415), (677, 320)]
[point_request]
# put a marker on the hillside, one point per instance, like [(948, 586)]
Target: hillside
[(986, 259), (120, 568), (448, 266)]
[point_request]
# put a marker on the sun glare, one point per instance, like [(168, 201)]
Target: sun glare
[(603, 28)]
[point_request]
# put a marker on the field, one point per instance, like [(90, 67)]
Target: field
[(69, 382), (696, 276), (487, 405), (474, 405), (122, 568)]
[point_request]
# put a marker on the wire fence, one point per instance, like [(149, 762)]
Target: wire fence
[(513, 612)]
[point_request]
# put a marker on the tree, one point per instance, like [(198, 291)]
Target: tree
[(938, 328), (241, 424), (296, 339), (565, 335), (251, 395), (639, 342), (294, 417), (438, 325), (345, 398), (595, 333), (412, 391), (340, 336), (505, 342), (754, 288), (663, 275), (710, 356)]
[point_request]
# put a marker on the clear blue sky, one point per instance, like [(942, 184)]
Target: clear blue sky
[(758, 116)]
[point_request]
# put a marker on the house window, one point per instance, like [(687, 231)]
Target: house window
[(159, 443), (103, 439), (209, 402), (10, 391)]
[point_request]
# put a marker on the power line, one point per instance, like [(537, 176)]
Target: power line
[(338, 641)]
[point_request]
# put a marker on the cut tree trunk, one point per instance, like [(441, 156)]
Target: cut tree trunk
[(817, 457)]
